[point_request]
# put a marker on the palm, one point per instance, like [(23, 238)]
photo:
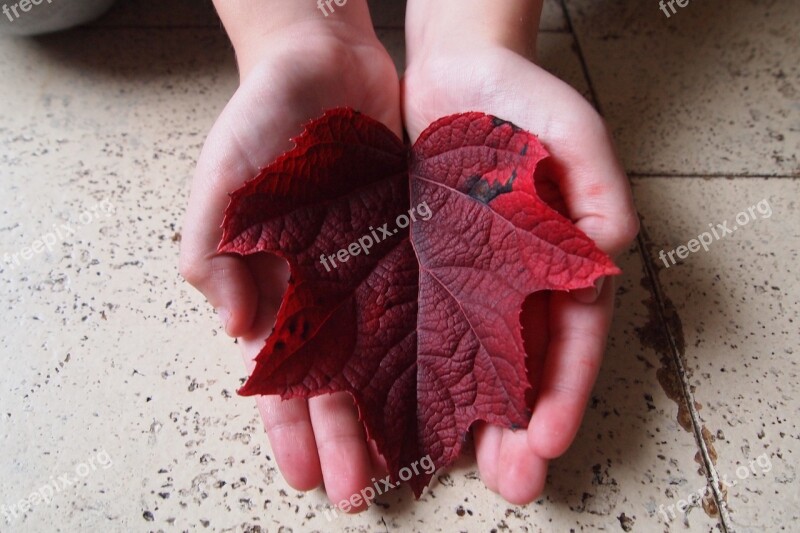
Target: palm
[(564, 338), (290, 85), (314, 69), (284, 92)]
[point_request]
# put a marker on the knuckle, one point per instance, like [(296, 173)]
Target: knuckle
[(620, 232), (629, 229), (191, 271), (593, 125)]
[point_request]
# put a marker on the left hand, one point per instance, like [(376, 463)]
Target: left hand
[(565, 333)]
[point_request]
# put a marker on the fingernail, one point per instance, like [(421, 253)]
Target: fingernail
[(590, 294), (598, 286)]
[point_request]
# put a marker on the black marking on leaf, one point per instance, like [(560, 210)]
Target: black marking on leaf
[(480, 189), (498, 122)]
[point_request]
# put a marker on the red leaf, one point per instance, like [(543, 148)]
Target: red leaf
[(423, 330)]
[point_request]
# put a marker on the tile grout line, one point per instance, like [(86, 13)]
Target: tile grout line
[(712, 477), (679, 175), (579, 50)]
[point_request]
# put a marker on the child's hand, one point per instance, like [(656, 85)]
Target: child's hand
[(295, 63), (467, 56)]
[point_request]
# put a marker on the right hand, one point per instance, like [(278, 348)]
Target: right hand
[(291, 77)]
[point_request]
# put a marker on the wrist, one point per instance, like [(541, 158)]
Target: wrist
[(453, 26), (257, 26)]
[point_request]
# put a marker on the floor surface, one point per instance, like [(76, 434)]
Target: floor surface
[(117, 394)]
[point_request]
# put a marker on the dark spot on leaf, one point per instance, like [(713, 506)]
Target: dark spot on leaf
[(363, 161), (485, 193), (499, 122)]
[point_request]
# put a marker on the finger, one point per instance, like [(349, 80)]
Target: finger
[(290, 433), (534, 320), (379, 466), (224, 280), (270, 275), (596, 190), (227, 284), (597, 194), (343, 453), (590, 294), (291, 437), (577, 342), (488, 439), (233, 153), (507, 464), (590, 178), (550, 177)]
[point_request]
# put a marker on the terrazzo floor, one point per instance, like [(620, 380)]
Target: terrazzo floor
[(118, 387)]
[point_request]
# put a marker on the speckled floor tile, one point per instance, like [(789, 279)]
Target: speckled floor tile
[(108, 357), (553, 18), (630, 457), (711, 90), (557, 53), (118, 390), (734, 315)]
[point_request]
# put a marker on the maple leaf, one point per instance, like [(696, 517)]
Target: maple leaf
[(422, 328)]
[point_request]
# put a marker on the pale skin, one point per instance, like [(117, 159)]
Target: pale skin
[(463, 55)]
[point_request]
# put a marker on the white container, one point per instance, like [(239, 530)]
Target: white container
[(33, 17)]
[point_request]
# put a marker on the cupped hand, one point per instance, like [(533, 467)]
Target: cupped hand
[(302, 71), (565, 333)]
